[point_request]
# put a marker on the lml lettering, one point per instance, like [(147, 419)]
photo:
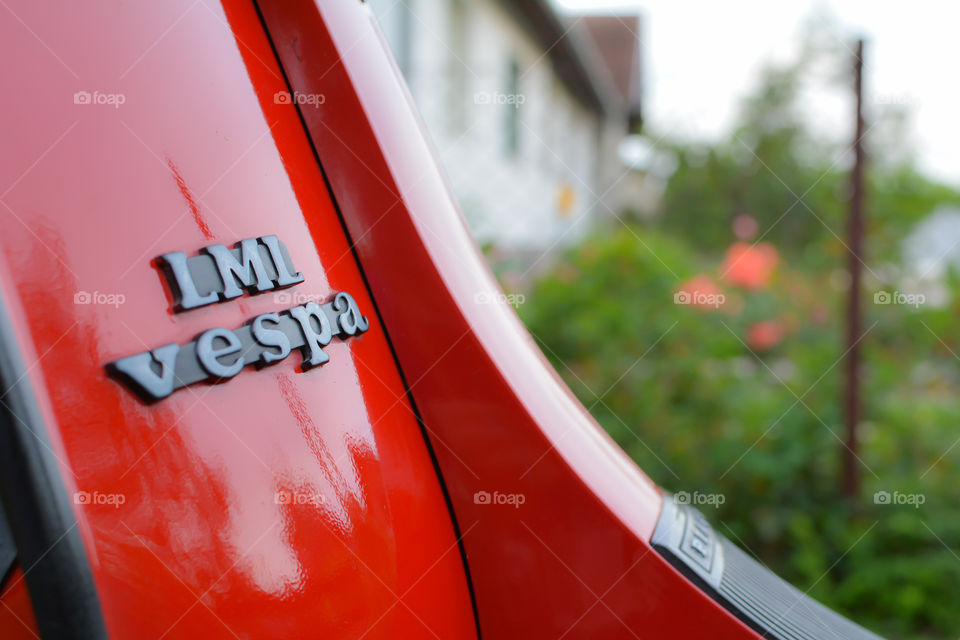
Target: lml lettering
[(219, 274)]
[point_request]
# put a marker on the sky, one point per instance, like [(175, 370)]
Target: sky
[(702, 56)]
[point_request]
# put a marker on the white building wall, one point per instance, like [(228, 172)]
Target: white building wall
[(458, 70)]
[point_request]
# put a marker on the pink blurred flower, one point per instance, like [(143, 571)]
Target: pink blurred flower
[(750, 266), (744, 226), (765, 335)]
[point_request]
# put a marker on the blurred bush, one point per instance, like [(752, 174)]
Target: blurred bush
[(718, 366)]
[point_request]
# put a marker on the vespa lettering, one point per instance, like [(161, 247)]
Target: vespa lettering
[(219, 274)]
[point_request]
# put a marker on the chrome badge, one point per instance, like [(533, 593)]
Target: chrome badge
[(218, 274)]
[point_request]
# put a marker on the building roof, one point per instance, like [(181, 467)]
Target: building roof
[(577, 60), (617, 38)]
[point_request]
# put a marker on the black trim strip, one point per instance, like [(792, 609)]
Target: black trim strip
[(8, 551), (51, 551), (758, 597), (457, 531)]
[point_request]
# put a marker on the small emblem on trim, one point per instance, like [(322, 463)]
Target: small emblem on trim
[(219, 274)]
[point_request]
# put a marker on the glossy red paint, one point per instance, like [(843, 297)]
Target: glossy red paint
[(574, 559), (200, 151), (16, 615)]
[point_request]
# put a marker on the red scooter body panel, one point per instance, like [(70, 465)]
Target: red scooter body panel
[(177, 501), (16, 615), (574, 559)]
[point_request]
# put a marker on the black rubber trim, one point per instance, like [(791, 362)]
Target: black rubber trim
[(50, 549), (8, 550), (403, 378), (758, 597)]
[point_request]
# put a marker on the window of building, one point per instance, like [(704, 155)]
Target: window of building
[(511, 107), (458, 67)]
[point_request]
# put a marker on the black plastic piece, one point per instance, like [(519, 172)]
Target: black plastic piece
[(8, 550), (762, 600), (50, 549)]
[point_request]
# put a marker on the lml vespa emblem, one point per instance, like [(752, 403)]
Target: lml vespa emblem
[(218, 274)]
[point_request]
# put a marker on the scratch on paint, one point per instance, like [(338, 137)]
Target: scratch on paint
[(191, 202)]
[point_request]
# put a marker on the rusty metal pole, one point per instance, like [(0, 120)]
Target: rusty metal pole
[(851, 472)]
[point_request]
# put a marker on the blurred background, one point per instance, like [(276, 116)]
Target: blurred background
[(667, 193)]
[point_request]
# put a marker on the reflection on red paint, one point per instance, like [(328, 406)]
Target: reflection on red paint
[(16, 614)]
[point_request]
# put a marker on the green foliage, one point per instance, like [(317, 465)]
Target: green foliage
[(770, 167), (680, 390), (701, 409)]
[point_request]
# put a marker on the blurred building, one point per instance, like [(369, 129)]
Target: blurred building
[(526, 109)]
